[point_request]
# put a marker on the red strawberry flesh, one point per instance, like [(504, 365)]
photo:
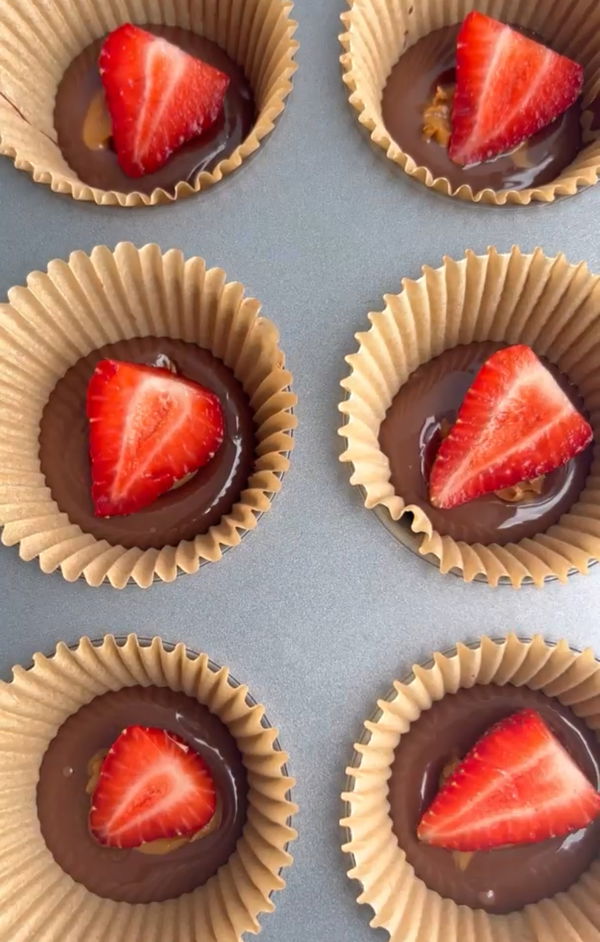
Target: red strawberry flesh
[(148, 429), (508, 87), (518, 785), (158, 97), (515, 424), (152, 785)]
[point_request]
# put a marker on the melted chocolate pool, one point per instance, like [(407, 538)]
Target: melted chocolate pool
[(180, 514), (410, 87), (63, 804), (97, 166), (508, 878), (410, 436)]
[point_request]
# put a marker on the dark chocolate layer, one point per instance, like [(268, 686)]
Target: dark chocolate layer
[(410, 87), (63, 804), (182, 513), (99, 166), (504, 879), (410, 436)]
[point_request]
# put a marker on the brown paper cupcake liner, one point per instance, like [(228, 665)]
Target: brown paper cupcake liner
[(91, 300), (39, 41), (377, 32), (39, 900), (401, 902), (546, 303)]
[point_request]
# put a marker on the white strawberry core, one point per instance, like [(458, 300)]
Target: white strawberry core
[(153, 793), (151, 114), (505, 39), (174, 405)]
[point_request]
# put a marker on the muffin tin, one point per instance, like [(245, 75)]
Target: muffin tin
[(320, 608)]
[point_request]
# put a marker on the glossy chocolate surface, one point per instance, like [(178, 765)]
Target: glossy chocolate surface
[(504, 879), (183, 512), (63, 804), (410, 87), (410, 436), (98, 166)]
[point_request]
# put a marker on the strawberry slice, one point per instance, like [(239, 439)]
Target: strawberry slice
[(518, 785), (158, 96), (151, 785), (508, 87), (514, 424), (148, 429)]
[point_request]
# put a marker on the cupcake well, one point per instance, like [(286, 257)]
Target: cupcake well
[(377, 32), (39, 41), (80, 305), (39, 901), (402, 904), (543, 302)]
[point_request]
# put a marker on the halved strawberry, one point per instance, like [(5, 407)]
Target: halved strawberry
[(518, 785), (514, 424), (148, 429), (151, 785), (508, 87), (158, 97)]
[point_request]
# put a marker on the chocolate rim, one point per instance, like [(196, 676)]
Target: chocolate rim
[(235, 896), (447, 664), (230, 326), (547, 303), (32, 146), (362, 95)]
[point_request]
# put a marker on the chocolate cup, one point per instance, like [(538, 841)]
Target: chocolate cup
[(401, 903), (377, 32), (543, 302), (80, 90), (256, 34), (79, 306), (38, 898)]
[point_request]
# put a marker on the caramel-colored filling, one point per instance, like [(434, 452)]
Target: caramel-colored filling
[(97, 126), (436, 115), (522, 491)]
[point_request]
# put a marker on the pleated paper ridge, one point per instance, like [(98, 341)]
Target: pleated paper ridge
[(91, 300), (377, 32), (401, 902), (40, 901), (38, 41), (546, 303)]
